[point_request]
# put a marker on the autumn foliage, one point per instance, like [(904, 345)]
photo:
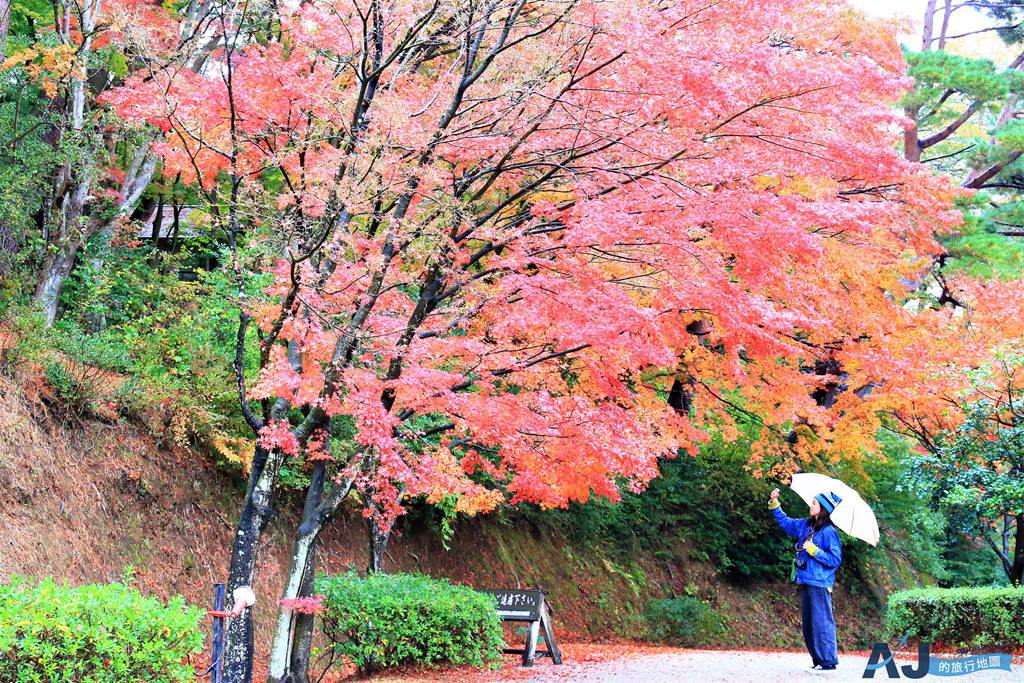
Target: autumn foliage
[(518, 251), (629, 199)]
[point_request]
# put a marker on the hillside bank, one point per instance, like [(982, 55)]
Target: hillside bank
[(84, 499)]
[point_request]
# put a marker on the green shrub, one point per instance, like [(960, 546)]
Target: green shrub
[(684, 621), (102, 350), (389, 619), (63, 384), (75, 385), (959, 616), (75, 363), (52, 633)]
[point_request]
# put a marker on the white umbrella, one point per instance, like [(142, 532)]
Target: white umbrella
[(852, 514)]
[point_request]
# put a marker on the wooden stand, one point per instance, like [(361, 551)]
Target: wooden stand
[(528, 606)]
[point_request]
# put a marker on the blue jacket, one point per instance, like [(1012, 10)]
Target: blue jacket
[(822, 564)]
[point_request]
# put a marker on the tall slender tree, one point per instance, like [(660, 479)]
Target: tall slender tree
[(102, 167)]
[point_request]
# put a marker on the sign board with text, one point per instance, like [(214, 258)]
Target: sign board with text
[(529, 606)]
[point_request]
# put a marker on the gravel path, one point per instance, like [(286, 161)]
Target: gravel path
[(707, 666)]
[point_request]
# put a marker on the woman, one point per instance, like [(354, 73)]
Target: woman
[(819, 553)]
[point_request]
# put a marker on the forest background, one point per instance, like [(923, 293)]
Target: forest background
[(578, 344)]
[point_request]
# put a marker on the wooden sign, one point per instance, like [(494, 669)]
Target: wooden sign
[(528, 606)]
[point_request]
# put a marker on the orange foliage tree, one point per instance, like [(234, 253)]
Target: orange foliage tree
[(519, 251)]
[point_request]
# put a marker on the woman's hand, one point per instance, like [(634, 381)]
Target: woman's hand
[(775, 494), (807, 544)]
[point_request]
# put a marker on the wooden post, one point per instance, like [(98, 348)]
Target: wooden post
[(217, 643), (531, 643), (549, 635), (528, 606)]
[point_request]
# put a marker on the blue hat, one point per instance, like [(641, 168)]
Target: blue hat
[(828, 501)]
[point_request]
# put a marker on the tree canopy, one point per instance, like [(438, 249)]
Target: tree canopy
[(515, 223)]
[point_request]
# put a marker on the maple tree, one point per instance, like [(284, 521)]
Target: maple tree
[(505, 251)]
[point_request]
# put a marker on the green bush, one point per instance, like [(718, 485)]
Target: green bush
[(51, 633), (389, 619), (63, 384), (683, 621), (102, 350), (75, 363), (959, 616)]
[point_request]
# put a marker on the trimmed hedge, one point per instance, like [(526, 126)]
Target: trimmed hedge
[(385, 620), (971, 616), (52, 633)]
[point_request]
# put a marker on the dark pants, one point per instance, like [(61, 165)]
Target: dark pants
[(819, 625)]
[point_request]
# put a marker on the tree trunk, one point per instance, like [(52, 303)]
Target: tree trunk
[(1016, 573), (928, 27), (300, 579), (378, 540), (945, 24), (136, 179), (5, 26), (256, 514), (302, 637), (56, 267), (979, 177), (64, 239), (71, 189), (158, 219), (300, 574), (293, 631), (911, 143)]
